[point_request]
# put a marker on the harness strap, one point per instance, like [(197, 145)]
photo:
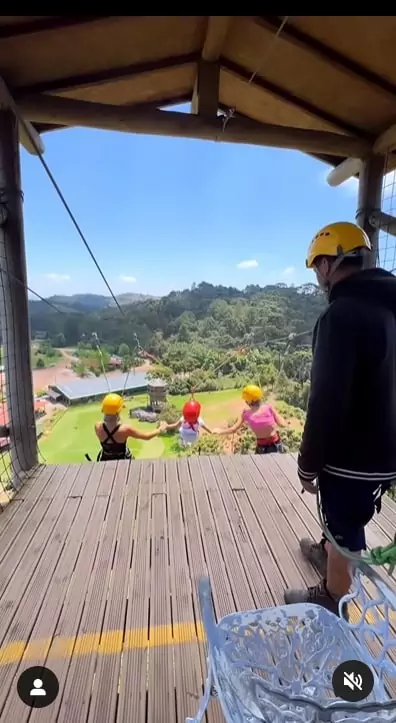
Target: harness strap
[(110, 434)]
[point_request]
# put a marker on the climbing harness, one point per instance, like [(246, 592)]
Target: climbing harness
[(277, 664), (378, 556), (106, 454)]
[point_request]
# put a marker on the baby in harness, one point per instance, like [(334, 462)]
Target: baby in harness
[(190, 424)]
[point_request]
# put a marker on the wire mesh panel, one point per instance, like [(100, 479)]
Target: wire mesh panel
[(387, 242), (19, 449)]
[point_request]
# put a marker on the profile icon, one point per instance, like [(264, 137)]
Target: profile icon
[(38, 687)]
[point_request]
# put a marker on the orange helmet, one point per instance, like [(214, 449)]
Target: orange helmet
[(191, 411)]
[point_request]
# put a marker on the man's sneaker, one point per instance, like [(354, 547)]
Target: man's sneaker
[(315, 553), (318, 595)]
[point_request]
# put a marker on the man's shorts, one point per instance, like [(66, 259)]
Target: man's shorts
[(348, 506)]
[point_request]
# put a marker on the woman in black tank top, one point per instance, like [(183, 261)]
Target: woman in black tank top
[(113, 435)]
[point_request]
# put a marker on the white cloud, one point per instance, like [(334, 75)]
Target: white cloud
[(289, 271), (57, 277), (250, 264), (128, 279)]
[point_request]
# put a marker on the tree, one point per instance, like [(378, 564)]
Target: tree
[(169, 414), (126, 364), (123, 350), (40, 363), (60, 340), (80, 368), (158, 371), (207, 444)]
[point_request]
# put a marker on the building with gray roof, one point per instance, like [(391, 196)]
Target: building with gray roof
[(91, 389)]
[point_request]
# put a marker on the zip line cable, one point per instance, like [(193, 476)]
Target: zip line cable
[(73, 219), (391, 556)]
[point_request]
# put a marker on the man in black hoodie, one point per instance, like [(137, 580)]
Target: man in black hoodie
[(349, 440)]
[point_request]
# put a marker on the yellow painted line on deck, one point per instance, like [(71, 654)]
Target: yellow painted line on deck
[(112, 642), (109, 642)]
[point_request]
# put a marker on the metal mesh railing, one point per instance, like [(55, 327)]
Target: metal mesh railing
[(387, 242), (18, 446)]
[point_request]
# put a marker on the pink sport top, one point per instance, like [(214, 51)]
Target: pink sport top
[(258, 419)]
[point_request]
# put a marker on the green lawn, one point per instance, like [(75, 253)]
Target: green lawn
[(70, 434)]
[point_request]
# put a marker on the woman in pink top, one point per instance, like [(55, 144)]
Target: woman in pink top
[(262, 419)]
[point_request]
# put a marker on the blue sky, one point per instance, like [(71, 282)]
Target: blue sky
[(162, 213)]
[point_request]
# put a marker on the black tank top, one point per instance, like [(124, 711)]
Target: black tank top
[(111, 449)]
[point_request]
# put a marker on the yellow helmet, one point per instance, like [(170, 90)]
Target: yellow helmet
[(112, 404), (252, 394), (338, 239)]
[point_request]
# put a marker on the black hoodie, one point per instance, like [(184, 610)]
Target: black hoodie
[(350, 430)]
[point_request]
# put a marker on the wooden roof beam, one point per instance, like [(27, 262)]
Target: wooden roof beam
[(330, 160), (65, 111), (216, 34), (28, 135), (146, 105), (386, 141), (106, 75), (350, 167), (306, 42), (45, 24), (282, 94), (205, 100)]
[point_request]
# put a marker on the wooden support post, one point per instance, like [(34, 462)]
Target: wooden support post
[(369, 200), (14, 315), (205, 100)]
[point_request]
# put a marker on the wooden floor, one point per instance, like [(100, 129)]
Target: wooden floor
[(99, 566)]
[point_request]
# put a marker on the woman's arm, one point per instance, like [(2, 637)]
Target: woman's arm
[(278, 419), (137, 434), (230, 430)]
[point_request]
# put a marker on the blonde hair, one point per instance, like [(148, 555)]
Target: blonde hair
[(111, 420)]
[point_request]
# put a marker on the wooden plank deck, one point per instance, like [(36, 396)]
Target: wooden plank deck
[(99, 566)]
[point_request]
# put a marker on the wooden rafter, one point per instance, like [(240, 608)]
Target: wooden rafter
[(54, 22), (68, 112), (300, 39), (150, 105), (106, 75), (282, 94), (386, 141), (28, 135), (216, 34), (330, 160)]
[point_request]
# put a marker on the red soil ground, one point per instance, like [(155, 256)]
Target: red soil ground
[(62, 371)]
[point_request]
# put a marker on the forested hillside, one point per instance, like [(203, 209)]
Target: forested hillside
[(205, 339), (218, 316), (84, 303)]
